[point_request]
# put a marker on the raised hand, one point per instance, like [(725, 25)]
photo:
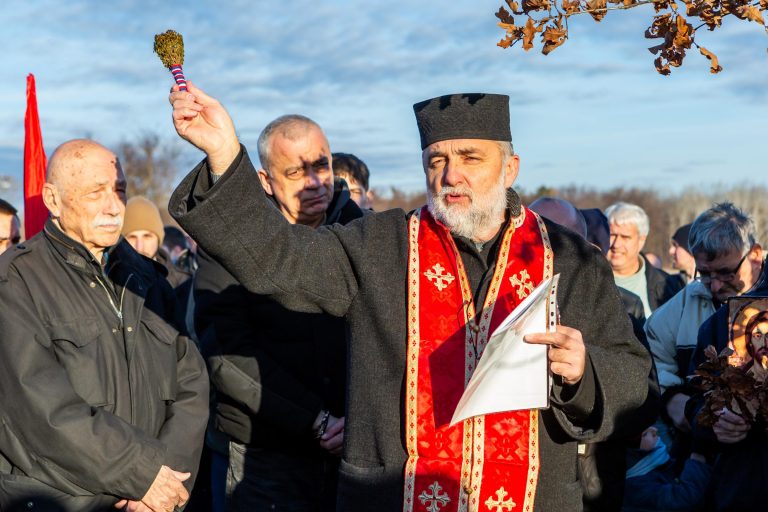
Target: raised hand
[(205, 123)]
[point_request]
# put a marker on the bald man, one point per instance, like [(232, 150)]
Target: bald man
[(103, 405), (562, 212)]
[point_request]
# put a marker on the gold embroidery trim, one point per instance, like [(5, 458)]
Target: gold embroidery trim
[(412, 362), (477, 434), (533, 437)]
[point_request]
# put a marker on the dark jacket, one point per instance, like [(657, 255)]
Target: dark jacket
[(661, 286), (273, 369), (359, 271), (740, 473), (602, 466), (93, 402), (663, 490), (177, 276)]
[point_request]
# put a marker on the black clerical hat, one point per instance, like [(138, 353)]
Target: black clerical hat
[(463, 116)]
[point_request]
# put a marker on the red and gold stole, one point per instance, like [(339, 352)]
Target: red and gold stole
[(485, 463)]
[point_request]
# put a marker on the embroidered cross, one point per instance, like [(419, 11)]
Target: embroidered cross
[(523, 284), (435, 499), (500, 504), (438, 278)]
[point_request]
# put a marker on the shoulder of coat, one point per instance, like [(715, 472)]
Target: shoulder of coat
[(17, 252)]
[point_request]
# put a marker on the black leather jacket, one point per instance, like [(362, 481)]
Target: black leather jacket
[(97, 389)]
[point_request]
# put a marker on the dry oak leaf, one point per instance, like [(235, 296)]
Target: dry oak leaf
[(708, 15), (529, 32), (504, 17), (684, 33), (752, 13), (596, 9), (514, 6), (663, 5), (661, 67), (554, 36), (573, 6), (660, 27), (714, 66), (508, 41), (535, 5)]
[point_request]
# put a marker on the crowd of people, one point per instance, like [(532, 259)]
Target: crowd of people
[(287, 348)]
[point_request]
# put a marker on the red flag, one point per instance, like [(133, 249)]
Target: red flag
[(35, 212)]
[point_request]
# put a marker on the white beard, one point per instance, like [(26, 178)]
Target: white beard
[(483, 213)]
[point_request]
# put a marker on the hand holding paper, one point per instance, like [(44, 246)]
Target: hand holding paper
[(512, 375), (567, 354)]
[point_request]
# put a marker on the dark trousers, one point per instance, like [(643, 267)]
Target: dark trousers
[(259, 480)]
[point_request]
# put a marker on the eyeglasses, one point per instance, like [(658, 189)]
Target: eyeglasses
[(724, 276)]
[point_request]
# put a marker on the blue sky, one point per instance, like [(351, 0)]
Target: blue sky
[(594, 112)]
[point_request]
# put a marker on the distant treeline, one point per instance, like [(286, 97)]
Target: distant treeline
[(667, 211)]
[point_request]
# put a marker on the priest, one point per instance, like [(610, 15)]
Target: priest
[(421, 291)]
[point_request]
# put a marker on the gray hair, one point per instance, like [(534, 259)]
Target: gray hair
[(507, 150), (720, 230), (290, 126), (627, 213)]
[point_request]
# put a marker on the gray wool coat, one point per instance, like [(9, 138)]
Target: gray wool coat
[(359, 271)]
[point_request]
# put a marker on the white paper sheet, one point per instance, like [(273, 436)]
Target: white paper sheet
[(512, 375)]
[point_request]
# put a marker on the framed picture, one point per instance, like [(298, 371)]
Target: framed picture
[(748, 331)]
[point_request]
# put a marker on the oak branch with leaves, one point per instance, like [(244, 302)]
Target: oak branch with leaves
[(550, 19)]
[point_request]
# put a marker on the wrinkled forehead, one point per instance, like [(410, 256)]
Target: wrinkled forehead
[(305, 142), (98, 171)]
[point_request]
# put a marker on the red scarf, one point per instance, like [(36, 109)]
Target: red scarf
[(485, 463)]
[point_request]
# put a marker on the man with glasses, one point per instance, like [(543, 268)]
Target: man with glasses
[(739, 478), (10, 227), (728, 261)]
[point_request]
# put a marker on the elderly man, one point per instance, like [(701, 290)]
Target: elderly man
[(420, 293), (629, 227), (10, 227), (103, 405), (279, 374)]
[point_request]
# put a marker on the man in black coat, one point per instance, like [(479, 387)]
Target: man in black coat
[(102, 404), (364, 271), (279, 374)]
